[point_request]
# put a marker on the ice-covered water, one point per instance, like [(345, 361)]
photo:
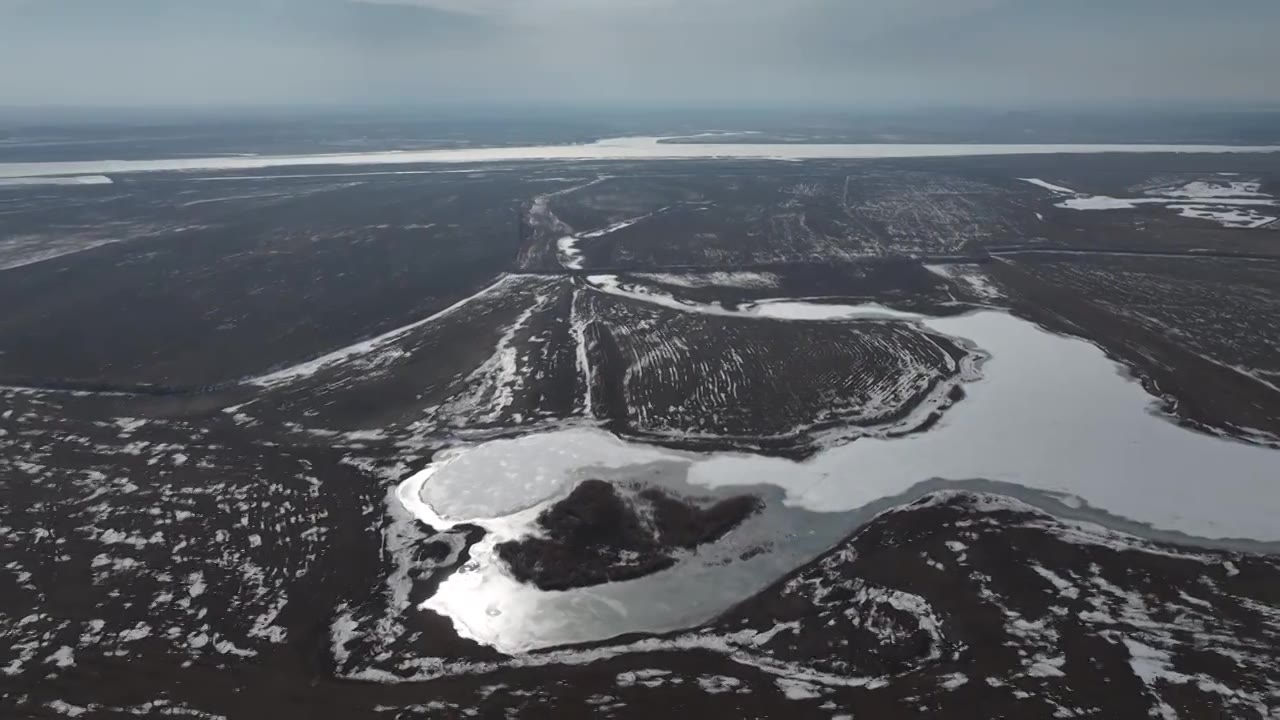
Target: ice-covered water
[(525, 471), (801, 310), (489, 606), (51, 180), (1050, 413), (626, 148)]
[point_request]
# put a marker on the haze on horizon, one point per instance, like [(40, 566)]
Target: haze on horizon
[(638, 53)]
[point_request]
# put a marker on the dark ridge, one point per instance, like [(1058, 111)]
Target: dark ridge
[(596, 535)]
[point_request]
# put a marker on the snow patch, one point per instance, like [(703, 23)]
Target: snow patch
[(1049, 186)]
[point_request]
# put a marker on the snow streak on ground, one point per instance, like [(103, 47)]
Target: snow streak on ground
[(366, 347), (971, 279), (570, 255), (492, 387), (568, 246), (1049, 186), (543, 219), (778, 309), (578, 323), (620, 225)]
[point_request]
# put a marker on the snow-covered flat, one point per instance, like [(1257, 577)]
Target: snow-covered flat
[(1226, 216), (1211, 189), (1228, 203), (1103, 202)]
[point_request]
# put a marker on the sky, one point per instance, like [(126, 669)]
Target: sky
[(638, 53)]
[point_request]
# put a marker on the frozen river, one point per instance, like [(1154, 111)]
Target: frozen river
[(627, 148)]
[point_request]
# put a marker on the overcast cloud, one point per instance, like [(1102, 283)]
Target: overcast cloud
[(848, 53)]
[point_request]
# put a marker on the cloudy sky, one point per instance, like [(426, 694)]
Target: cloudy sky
[(647, 53)]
